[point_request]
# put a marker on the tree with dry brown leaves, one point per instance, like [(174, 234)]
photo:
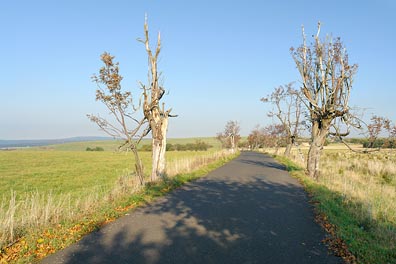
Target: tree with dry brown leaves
[(327, 78), (123, 124)]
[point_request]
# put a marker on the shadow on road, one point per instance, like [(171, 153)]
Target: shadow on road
[(218, 219), (264, 164)]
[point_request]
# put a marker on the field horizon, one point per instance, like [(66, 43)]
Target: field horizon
[(33, 143)]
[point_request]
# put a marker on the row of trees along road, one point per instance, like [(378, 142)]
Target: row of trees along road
[(124, 124), (326, 83), (326, 78)]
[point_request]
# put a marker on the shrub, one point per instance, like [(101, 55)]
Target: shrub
[(380, 143), (94, 149), (199, 145)]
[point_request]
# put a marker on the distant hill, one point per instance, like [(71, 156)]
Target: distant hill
[(44, 142)]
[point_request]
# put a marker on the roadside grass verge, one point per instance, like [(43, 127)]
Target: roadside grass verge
[(368, 229), (59, 222)]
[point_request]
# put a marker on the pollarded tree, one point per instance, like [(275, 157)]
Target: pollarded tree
[(230, 137), (287, 105), (327, 78), (119, 102), (154, 113)]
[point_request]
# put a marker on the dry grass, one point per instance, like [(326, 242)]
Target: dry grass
[(366, 179), (185, 165), (368, 184), (35, 210), (365, 185)]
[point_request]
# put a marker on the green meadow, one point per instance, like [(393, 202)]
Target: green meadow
[(69, 169)]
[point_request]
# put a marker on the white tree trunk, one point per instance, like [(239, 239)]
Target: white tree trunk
[(159, 150), (232, 138)]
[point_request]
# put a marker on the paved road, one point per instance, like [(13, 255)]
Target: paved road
[(248, 211)]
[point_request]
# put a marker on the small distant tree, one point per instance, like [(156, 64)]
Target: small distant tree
[(155, 113), (123, 125), (327, 78), (287, 104), (230, 137), (255, 138), (377, 125), (381, 133)]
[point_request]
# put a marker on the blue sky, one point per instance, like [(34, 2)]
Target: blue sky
[(218, 58)]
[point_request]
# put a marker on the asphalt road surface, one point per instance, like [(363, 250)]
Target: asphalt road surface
[(248, 211)]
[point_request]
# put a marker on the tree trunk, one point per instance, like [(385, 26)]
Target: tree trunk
[(288, 149), (291, 140), (159, 149), (232, 138), (138, 165), (320, 130), (276, 148)]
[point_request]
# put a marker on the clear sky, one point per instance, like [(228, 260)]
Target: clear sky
[(218, 58)]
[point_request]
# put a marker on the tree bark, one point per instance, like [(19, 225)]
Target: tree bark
[(159, 149), (138, 165), (288, 149), (320, 129), (232, 138)]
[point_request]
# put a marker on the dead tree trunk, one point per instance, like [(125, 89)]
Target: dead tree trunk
[(159, 148), (156, 116)]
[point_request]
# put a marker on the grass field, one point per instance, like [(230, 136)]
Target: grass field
[(357, 193), (59, 172), (72, 172)]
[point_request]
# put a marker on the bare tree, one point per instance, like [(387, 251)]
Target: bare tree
[(230, 136), (377, 125), (287, 104), (327, 79), (120, 104), (255, 138), (154, 113)]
